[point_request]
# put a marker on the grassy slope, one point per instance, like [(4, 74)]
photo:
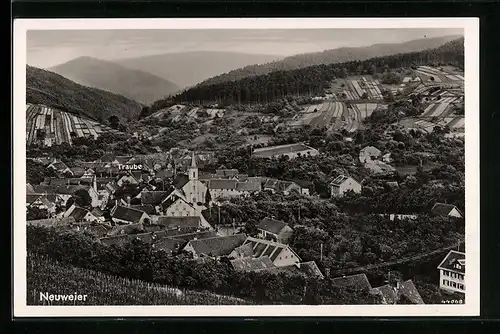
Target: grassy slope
[(51, 89), (45, 275)]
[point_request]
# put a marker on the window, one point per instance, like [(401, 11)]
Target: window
[(454, 284), (193, 174), (444, 282)]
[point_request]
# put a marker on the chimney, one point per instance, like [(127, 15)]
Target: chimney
[(128, 201)]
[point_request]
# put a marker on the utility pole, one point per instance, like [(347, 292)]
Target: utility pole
[(321, 252), (218, 220)]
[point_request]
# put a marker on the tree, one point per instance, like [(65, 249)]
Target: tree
[(82, 198), (208, 197), (114, 121), (35, 213)]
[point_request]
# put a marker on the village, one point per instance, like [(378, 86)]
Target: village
[(166, 202)]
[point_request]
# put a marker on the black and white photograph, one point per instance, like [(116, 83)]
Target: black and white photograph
[(246, 167)]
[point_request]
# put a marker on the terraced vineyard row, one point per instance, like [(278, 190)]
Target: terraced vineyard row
[(49, 126)]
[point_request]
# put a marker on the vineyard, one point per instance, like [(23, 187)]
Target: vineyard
[(177, 112), (50, 126), (44, 275), (427, 73), (362, 89)]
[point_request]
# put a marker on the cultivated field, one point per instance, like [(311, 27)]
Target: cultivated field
[(439, 76), (45, 275), (50, 126), (178, 111)]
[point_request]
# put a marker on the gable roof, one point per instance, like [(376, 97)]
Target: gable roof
[(51, 222), (30, 198), (180, 180), (244, 250), (359, 281), (222, 184), (248, 186), (164, 173), (341, 179), (310, 269), (406, 288), (127, 214), (409, 290), (451, 259), (98, 230), (217, 246), (168, 244), (97, 212), (226, 172), (182, 222), (443, 209), (172, 199), (272, 225), (269, 248), (29, 188), (78, 213), (252, 264), (154, 197), (148, 208), (78, 171)]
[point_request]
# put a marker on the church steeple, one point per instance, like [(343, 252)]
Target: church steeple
[(193, 170)]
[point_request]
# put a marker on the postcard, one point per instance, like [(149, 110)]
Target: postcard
[(246, 167)]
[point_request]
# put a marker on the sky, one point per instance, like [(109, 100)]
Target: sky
[(46, 48)]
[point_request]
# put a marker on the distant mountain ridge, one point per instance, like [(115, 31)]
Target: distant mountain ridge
[(331, 56), (190, 68), (134, 84), (53, 90)]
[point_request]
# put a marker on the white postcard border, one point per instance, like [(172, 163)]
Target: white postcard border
[(471, 32)]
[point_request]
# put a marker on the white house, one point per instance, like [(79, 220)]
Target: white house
[(342, 184), (277, 230), (452, 272), (446, 210), (280, 254)]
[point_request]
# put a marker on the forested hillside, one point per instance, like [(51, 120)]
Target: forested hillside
[(54, 90), (315, 79), (136, 85), (331, 56)]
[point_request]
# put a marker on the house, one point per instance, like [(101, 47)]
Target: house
[(88, 173), (125, 215), (307, 269), (154, 198), (51, 222), (284, 187), (48, 202), (452, 272), (290, 150), (368, 154), (168, 245), (128, 178), (280, 254), (60, 168), (390, 294), (65, 192), (214, 247), (171, 222), (96, 212), (164, 174), (226, 173), (77, 171), (342, 183), (224, 188), (252, 264), (98, 231), (177, 206), (272, 229), (446, 210), (80, 214), (358, 282)]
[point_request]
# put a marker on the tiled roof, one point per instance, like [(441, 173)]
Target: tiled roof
[(451, 261), (280, 149), (272, 225), (443, 209), (78, 171), (154, 197), (180, 180), (97, 230), (227, 172), (222, 184), (173, 222), (269, 248), (242, 177), (359, 281), (127, 214), (29, 188), (248, 186), (125, 229), (310, 269), (97, 212), (218, 246), (164, 173), (406, 288), (30, 198), (59, 166), (244, 250), (78, 213), (409, 290), (171, 200), (260, 179), (148, 208), (387, 292), (252, 264), (339, 180)]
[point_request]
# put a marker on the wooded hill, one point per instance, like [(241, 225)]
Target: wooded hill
[(315, 79), (327, 57), (54, 90)]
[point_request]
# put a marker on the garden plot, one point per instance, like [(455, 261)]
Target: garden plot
[(366, 109)]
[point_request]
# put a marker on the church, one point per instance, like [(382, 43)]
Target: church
[(192, 188)]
